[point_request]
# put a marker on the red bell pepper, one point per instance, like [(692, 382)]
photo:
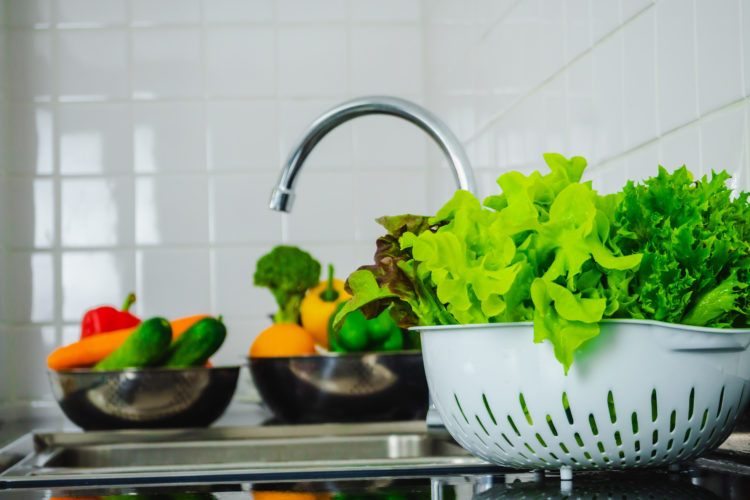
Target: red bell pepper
[(108, 319)]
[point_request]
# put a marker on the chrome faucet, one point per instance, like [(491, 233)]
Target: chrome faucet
[(283, 194)]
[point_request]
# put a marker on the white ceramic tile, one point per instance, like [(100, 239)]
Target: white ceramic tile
[(401, 192), (389, 142), (642, 164), (313, 61), (240, 210), (321, 11), (448, 62), (322, 208), (240, 335), (334, 150), (386, 60), (605, 18), (156, 12), (608, 92), (548, 25), (171, 210), (70, 334), (552, 119), (681, 147), (238, 11), (31, 213), (93, 279), (94, 138), (30, 346), (458, 112), (723, 143), (582, 112), (97, 212), (481, 151), (386, 11), (5, 280), (640, 81), (609, 177), (173, 283), (169, 137), (30, 139), (30, 54), (504, 73), (631, 8), (577, 27), (7, 366), (449, 11), (25, 13), (345, 257), (91, 13), (488, 12), (440, 188), (242, 136), (166, 63), (675, 63), (719, 47), (235, 295), (240, 61), (92, 65), (33, 279)]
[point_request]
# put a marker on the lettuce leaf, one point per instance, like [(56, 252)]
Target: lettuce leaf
[(695, 242)]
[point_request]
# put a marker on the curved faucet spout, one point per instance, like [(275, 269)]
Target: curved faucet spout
[(283, 194)]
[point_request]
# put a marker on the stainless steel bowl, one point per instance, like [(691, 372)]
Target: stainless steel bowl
[(144, 398), (349, 387)]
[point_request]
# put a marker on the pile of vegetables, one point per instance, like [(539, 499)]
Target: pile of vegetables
[(306, 307), (113, 340), (551, 250)]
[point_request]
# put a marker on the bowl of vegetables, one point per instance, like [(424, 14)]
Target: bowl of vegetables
[(563, 328), (307, 371), (154, 374)]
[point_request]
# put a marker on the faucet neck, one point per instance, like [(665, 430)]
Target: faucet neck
[(282, 196)]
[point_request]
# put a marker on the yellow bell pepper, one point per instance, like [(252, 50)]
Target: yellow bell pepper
[(319, 305)]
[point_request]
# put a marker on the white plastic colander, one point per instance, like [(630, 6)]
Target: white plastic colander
[(641, 394)]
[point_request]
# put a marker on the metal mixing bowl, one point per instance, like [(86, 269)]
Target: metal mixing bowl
[(349, 387), (144, 398)]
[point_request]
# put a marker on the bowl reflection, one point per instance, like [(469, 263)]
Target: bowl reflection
[(144, 398), (347, 387)]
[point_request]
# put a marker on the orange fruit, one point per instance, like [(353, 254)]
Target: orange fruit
[(282, 339), (289, 495)]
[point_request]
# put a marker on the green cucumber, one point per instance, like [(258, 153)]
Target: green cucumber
[(146, 346), (197, 344)]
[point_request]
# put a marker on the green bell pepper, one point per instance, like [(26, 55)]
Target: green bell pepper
[(358, 334)]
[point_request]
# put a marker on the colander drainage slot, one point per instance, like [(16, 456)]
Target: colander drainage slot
[(551, 426), (525, 409), (489, 410), (592, 423), (481, 425), (515, 429), (611, 407), (566, 407)]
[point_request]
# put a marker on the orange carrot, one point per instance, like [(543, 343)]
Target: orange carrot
[(90, 350)]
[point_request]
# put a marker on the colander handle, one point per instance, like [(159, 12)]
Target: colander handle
[(704, 340)]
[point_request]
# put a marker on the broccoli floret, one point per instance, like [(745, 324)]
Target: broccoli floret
[(288, 272)]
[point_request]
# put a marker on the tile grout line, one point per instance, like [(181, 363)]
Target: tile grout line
[(565, 67), (210, 184)]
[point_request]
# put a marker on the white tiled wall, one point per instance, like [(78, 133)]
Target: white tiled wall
[(143, 137), (627, 84), (146, 138)]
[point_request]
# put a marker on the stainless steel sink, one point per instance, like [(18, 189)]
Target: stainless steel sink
[(324, 451)]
